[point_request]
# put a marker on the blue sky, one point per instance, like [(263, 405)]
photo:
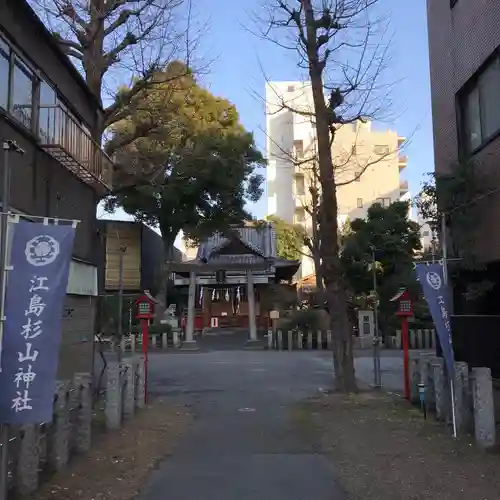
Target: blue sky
[(237, 74), (243, 61)]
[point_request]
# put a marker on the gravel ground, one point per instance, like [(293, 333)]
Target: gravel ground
[(382, 448), (120, 461)]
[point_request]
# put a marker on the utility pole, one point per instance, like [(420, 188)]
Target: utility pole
[(377, 376), (7, 147), (123, 249)]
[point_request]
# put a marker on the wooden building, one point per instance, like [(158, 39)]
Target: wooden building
[(230, 277), (142, 251)]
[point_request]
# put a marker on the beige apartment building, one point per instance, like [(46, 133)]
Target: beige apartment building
[(368, 161)]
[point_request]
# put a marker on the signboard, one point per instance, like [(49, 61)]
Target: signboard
[(274, 314), (145, 309), (438, 296), (34, 302)]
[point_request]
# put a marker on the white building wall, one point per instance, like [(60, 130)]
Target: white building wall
[(358, 143)]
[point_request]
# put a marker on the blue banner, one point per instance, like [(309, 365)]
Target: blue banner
[(35, 294), (438, 296)]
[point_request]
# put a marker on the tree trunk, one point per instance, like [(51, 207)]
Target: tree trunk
[(345, 378)]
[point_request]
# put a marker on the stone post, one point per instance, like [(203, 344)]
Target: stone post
[(28, 460), (484, 410), (114, 403), (251, 307), (58, 435), (328, 339), (420, 343), (164, 340), (309, 340), (129, 389), (414, 378), (280, 340), (189, 343), (82, 430), (290, 340), (398, 339), (440, 390), (140, 386), (154, 341), (320, 341), (463, 400), (269, 338), (175, 336)]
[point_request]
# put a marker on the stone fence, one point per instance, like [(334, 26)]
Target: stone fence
[(474, 404), (297, 340), (417, 339), (36, 450), (133, 343)]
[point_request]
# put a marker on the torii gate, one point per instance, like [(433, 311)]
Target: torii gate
[(195, 268)]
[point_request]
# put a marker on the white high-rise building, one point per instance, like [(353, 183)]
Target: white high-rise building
[(367, 161)]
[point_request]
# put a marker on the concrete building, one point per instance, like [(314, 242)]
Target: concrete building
[(368, 157), (464, 41), (48, 110)]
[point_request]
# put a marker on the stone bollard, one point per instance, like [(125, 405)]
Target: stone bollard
[(463, 399), (175, 337), (269, 339), (140, 386), (309, 340), (430, 392), (114, 402), (164, 341), (420, 343), (399, 345), (83, 427), (280, 340), (290, 340), (153, 341), (28, 460), (59, 431), (319, 341), (441, 393), (414, 378), (484, 410), (129, 389), (328, 339)]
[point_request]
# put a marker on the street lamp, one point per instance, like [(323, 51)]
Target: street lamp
[(377, 375)]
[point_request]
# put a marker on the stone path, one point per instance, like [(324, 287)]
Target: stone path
[(244, 443)]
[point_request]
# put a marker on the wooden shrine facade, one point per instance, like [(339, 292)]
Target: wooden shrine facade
[(230, 277)]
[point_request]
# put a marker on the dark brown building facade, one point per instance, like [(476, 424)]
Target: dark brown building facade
[(464, 43), (46, 108)]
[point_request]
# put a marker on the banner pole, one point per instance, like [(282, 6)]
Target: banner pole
[(445, 279), (4, 220)]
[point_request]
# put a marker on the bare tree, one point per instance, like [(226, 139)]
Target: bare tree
[(338, 43), (113, 39)]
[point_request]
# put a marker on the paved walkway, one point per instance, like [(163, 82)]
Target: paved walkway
[(244, 443)]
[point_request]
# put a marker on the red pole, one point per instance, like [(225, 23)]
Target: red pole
[(145, 339), (404, 335)]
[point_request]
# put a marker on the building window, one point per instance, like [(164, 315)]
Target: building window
[(300, 216), (360, 203), (22, 93), (385, 202), (480, 107), (381, 149), (425, 233), (357, 175), (4, 75), (300, 185), (290, 88), (298, 147)]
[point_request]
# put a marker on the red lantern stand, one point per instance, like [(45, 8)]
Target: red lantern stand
[(404, 311), (145, 312)]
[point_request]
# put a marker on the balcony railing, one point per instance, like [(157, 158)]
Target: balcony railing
[(402, 161), (66, 141)]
